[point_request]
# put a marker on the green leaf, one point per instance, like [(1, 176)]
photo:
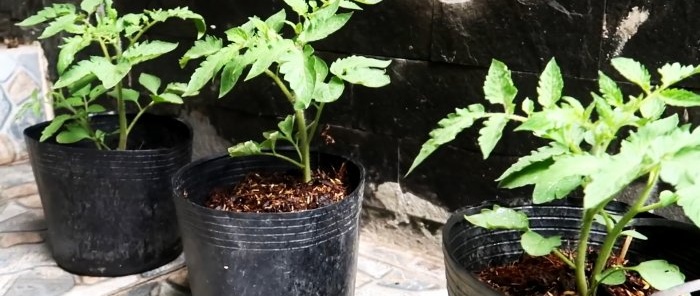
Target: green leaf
[(535, 244), (70, 47), (90, 6), (672, 73), (54, 126), (108, 73), (207, 69), (244, 149), (634, 234), (556, 188), (182, 13), (668, 198), (680, 97), (299, 6), (447, 130), (652, 107), (329, 92), (491, 133), (660, 274), (141, 52), (276, 21), (230, 74), (498, 87), (96, 92), (63, 23), (130, 94), (689, 200), (609, 90), (167, 98), (499, 218), (361, 70), (613, 176), (633, 71), (528, 106), (150, 82), (77, 72), (347, 4), (317, 28), (612, 277), (298, 69), (286, 126), (96, 108), (264, 55), (204, 47), (550, 85), (541, 159), (368, 2), (74, 133), (48, 13)]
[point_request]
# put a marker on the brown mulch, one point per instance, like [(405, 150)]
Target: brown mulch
[(274, 192), (549, 276)]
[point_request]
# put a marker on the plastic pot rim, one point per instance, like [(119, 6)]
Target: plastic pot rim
[(252, 215), (41, 125)]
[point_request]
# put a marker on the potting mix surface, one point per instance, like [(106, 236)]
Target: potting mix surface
[(386, 266)]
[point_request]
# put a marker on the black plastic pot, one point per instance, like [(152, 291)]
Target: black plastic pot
[(110, 213), (308, 253), (468, 249)]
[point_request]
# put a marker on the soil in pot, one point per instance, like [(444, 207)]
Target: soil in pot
[(549, 276), (277, 192)]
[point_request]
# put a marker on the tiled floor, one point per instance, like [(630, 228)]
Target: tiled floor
[(26, 267)]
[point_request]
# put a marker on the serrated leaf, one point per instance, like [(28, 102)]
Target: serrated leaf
[(276, 21), (498, 87), (286, 126), (550, 85), (204, 47), (535, 244), (551, 189), (63, 23), (90, 6), (447, 130), (609, 90), (499, 218), (230, 74), (70, 47), (266, 53), (167, 98), (652, 107), (362, 70), (612, 277), (689, 200), (299, 6), (108, 73), (672, 73), (150, 82), (207, 69), (74, 133), (297, 66), (182, 13), (680, 98), (319, 28), (329, 92), (74, 74), (127, 94), (660, 274), (245, 149), (633, 71), (491, 133), (347, 4), (54, 126), (141, 52), (48, 13), (540, 156), (613, 176), (634, 234)]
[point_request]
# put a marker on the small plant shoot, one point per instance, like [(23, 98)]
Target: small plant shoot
[(601, 147), (258, 47), (119, 39)]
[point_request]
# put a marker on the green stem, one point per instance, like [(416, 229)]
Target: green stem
[(138, 115), (280, 156), (121, 107), (138, 36), (290, 97), (611, 237), (564, 259), (582, 251)]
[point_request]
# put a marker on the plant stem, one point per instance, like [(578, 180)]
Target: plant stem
[(611, 237), (280, 156), (564, 259), (138, 115), (582, 251)]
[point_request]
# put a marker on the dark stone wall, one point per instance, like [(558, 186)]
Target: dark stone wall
[(441, 50)]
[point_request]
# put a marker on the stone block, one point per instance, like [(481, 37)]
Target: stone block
[(524, 33)]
